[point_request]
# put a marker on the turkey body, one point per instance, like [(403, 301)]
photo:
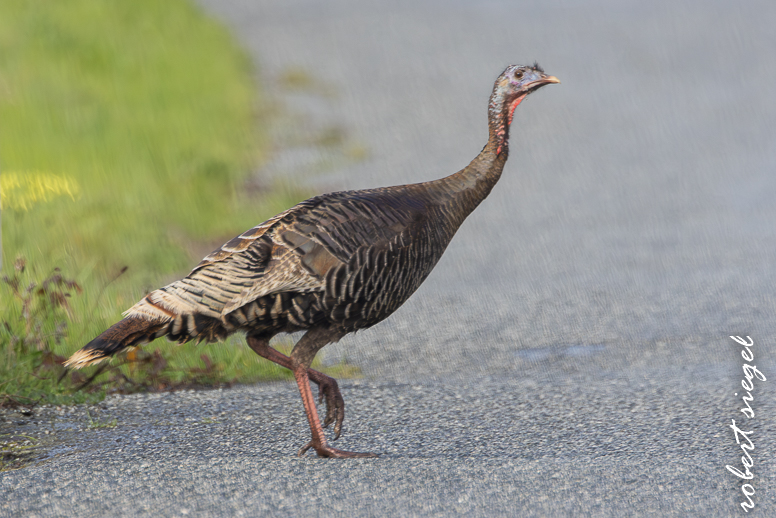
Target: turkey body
[(346, 259), (331, 265)]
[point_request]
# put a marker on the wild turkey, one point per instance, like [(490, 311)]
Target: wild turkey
[(330, 265)]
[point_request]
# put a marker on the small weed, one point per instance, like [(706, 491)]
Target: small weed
[(42, 311), (16, 451), (357, 152), (296, 79), (330, 136), (41, 306), (100, 424), (209, 420)]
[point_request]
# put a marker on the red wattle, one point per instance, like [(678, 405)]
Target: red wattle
[(513, 106)]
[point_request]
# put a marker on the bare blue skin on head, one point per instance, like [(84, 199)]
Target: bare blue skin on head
[(510, 89)]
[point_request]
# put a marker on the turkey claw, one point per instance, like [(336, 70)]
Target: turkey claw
[(328, 391)]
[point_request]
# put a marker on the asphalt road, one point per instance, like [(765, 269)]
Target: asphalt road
[(570, 354)]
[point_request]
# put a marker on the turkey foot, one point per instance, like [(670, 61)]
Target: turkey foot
[(328, 389), (333, 453), (318, 442)]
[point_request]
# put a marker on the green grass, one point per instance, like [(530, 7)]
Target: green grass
[(128, 132)]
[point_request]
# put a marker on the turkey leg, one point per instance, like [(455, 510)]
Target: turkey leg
[(327, 386), (301, 357)]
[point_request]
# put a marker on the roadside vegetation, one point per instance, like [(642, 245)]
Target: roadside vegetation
[(129, 132), (16, 451)]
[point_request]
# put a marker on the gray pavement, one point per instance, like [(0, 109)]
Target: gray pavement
[(570, 353)]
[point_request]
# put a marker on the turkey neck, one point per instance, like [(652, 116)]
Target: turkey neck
[(463, 191)]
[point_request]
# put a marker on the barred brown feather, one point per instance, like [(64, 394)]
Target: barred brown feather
[(126, 333)]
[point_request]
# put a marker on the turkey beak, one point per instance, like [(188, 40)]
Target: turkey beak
[(543, 80)]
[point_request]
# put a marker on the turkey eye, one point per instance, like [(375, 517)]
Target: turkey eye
[(518, 74)]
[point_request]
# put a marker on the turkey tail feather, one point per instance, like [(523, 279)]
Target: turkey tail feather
[(127, 333)]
